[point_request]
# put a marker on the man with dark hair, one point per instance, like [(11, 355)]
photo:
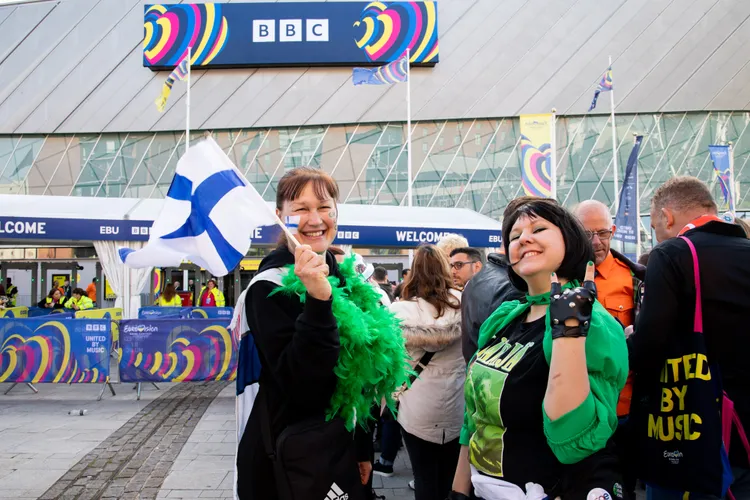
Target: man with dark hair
[(683, 206), (465, 263), (380, 276), (397, 291)]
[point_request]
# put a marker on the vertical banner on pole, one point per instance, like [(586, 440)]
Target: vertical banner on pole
[(536, 154), (720, 156), (627, 210)]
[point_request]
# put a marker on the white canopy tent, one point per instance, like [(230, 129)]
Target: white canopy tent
[(73, 212)]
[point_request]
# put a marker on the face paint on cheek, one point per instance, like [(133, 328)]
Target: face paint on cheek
[(332, 214)]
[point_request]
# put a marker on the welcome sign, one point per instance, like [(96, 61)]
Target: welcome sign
[(290, 34)]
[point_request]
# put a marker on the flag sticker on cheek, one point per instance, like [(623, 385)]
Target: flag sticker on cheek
[(292, 223)]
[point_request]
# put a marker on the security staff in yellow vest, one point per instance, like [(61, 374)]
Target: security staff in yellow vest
[(79, 301), (55, 300), (211, 296), (169, 297), (11, 291)]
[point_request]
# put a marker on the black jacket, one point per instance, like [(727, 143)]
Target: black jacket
[(298, 346), (484, 293), (668, 308), (639, 274)]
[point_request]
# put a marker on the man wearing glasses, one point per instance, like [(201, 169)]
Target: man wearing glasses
[(465, 263)]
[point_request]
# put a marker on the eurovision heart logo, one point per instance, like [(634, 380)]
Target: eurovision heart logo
[(384, 31), (537, 180), (209, 355), (43, 356), (170, 29)]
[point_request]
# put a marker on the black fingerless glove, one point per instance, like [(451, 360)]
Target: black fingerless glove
[(576, 303), (454, 495)]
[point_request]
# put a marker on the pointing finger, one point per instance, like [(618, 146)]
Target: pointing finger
[(556, 288), (590, 272)]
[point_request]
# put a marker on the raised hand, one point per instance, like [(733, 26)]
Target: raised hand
[(312, 270), (570, 310)]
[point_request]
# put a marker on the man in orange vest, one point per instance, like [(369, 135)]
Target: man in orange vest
[(618, 285)]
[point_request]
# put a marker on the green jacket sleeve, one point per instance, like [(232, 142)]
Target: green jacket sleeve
[(586, 429)]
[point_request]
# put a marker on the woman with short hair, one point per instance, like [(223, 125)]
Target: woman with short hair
[(542, 390)]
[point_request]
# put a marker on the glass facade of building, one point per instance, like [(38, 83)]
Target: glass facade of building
[(471, 163)]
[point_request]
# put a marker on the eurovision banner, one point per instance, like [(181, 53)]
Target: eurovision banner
[(627, 210), (536, 152), (177, 350), (154, 312), (721, 158), (14, 312), (39, 350)]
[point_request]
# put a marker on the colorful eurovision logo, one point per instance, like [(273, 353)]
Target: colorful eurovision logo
[(290, 33), (176, 350), (170, 29), (385, 30), (67, 351)]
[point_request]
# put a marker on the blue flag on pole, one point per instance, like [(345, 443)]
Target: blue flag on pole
[(605, 85), (627, 211), (393, 72), (720, 156)]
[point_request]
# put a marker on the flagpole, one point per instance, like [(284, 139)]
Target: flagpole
[(637, 207), (408, 130), (553, 155), (408, 142), (187, 99), (732, 184), (614, 135)]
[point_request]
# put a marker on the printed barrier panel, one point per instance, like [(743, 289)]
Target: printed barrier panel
[(156, 312), (40, 350), (35, 312), (15, 312), (177, 350), (112, 313), (208, 312)]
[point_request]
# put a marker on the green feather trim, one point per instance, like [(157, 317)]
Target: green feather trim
[(372, 361)]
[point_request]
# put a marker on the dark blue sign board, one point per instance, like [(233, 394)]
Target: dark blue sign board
[(289, 34), (28, 228)]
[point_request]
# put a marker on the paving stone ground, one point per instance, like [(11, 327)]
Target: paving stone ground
[(39, 442), (178, 442)]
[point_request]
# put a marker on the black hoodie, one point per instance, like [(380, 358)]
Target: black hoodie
[(298, 346)]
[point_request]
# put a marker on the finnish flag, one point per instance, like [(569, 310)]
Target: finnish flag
[(208, 216)]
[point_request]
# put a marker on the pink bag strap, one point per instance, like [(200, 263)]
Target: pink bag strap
[(698, 320)]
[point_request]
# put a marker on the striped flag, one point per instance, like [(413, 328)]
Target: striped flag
[(393, 72), (180, 73), (605, 85)]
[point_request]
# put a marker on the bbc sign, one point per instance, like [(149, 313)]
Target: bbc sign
[(225, 35), (290, 30)]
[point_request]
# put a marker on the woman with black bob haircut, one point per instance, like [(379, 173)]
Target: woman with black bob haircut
[(541, 392)]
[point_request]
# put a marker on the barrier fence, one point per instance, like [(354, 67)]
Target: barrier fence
[(65, 347), (155, 312)]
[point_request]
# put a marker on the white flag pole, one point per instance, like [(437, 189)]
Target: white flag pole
[(187, 100), (408, 142), (408, 130), (733, 182), (637, 207), (614, 138), (553, 155)]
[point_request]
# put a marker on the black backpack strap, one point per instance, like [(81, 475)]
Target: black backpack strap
[(421, 365), (265, 425)]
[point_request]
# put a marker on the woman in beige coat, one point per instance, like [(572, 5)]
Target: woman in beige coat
[(431, 410)]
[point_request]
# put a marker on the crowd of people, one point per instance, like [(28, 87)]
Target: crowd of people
[(542, 371)]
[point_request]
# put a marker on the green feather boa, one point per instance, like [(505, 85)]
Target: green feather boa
[(372, 361)]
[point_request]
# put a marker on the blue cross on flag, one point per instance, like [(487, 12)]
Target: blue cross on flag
[(208, 217)]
